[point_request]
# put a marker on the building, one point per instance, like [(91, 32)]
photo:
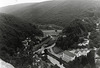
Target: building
[(84, 43), (55, 62), (53, 33), (67, 56), (64, 55), (79, 52)]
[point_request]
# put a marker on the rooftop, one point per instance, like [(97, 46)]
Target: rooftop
[(68, 53)]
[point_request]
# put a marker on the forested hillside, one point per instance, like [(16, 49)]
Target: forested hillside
[(12, 32), (59, 12)]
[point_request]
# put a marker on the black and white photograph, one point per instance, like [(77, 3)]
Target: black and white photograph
[(49, 33)]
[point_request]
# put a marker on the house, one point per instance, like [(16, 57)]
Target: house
[(79, 52), (55, 62), (53, 33), (84, 43), (67, 56)]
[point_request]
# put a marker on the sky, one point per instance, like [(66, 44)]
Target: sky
[(11, 2)]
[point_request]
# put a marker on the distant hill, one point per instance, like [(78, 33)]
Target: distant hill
[(58, 12), (13, 31), (9, 8)]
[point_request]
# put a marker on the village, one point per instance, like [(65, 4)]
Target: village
[(56, 55), (50, 34)]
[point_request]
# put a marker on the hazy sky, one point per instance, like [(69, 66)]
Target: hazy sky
[(10, 2)]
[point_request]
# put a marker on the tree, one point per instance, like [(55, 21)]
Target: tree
[(91, 58), (76, 29)]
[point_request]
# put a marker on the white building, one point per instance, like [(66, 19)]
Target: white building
[(52, 33), (54, 61), (85, 43), (67, 56), (79, 52)]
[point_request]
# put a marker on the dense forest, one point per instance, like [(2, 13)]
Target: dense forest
[(13, 31), (58, 12), (75, 32)]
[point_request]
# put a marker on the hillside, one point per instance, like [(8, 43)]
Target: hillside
[(58, 12), (12, 32), (9, 9)]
